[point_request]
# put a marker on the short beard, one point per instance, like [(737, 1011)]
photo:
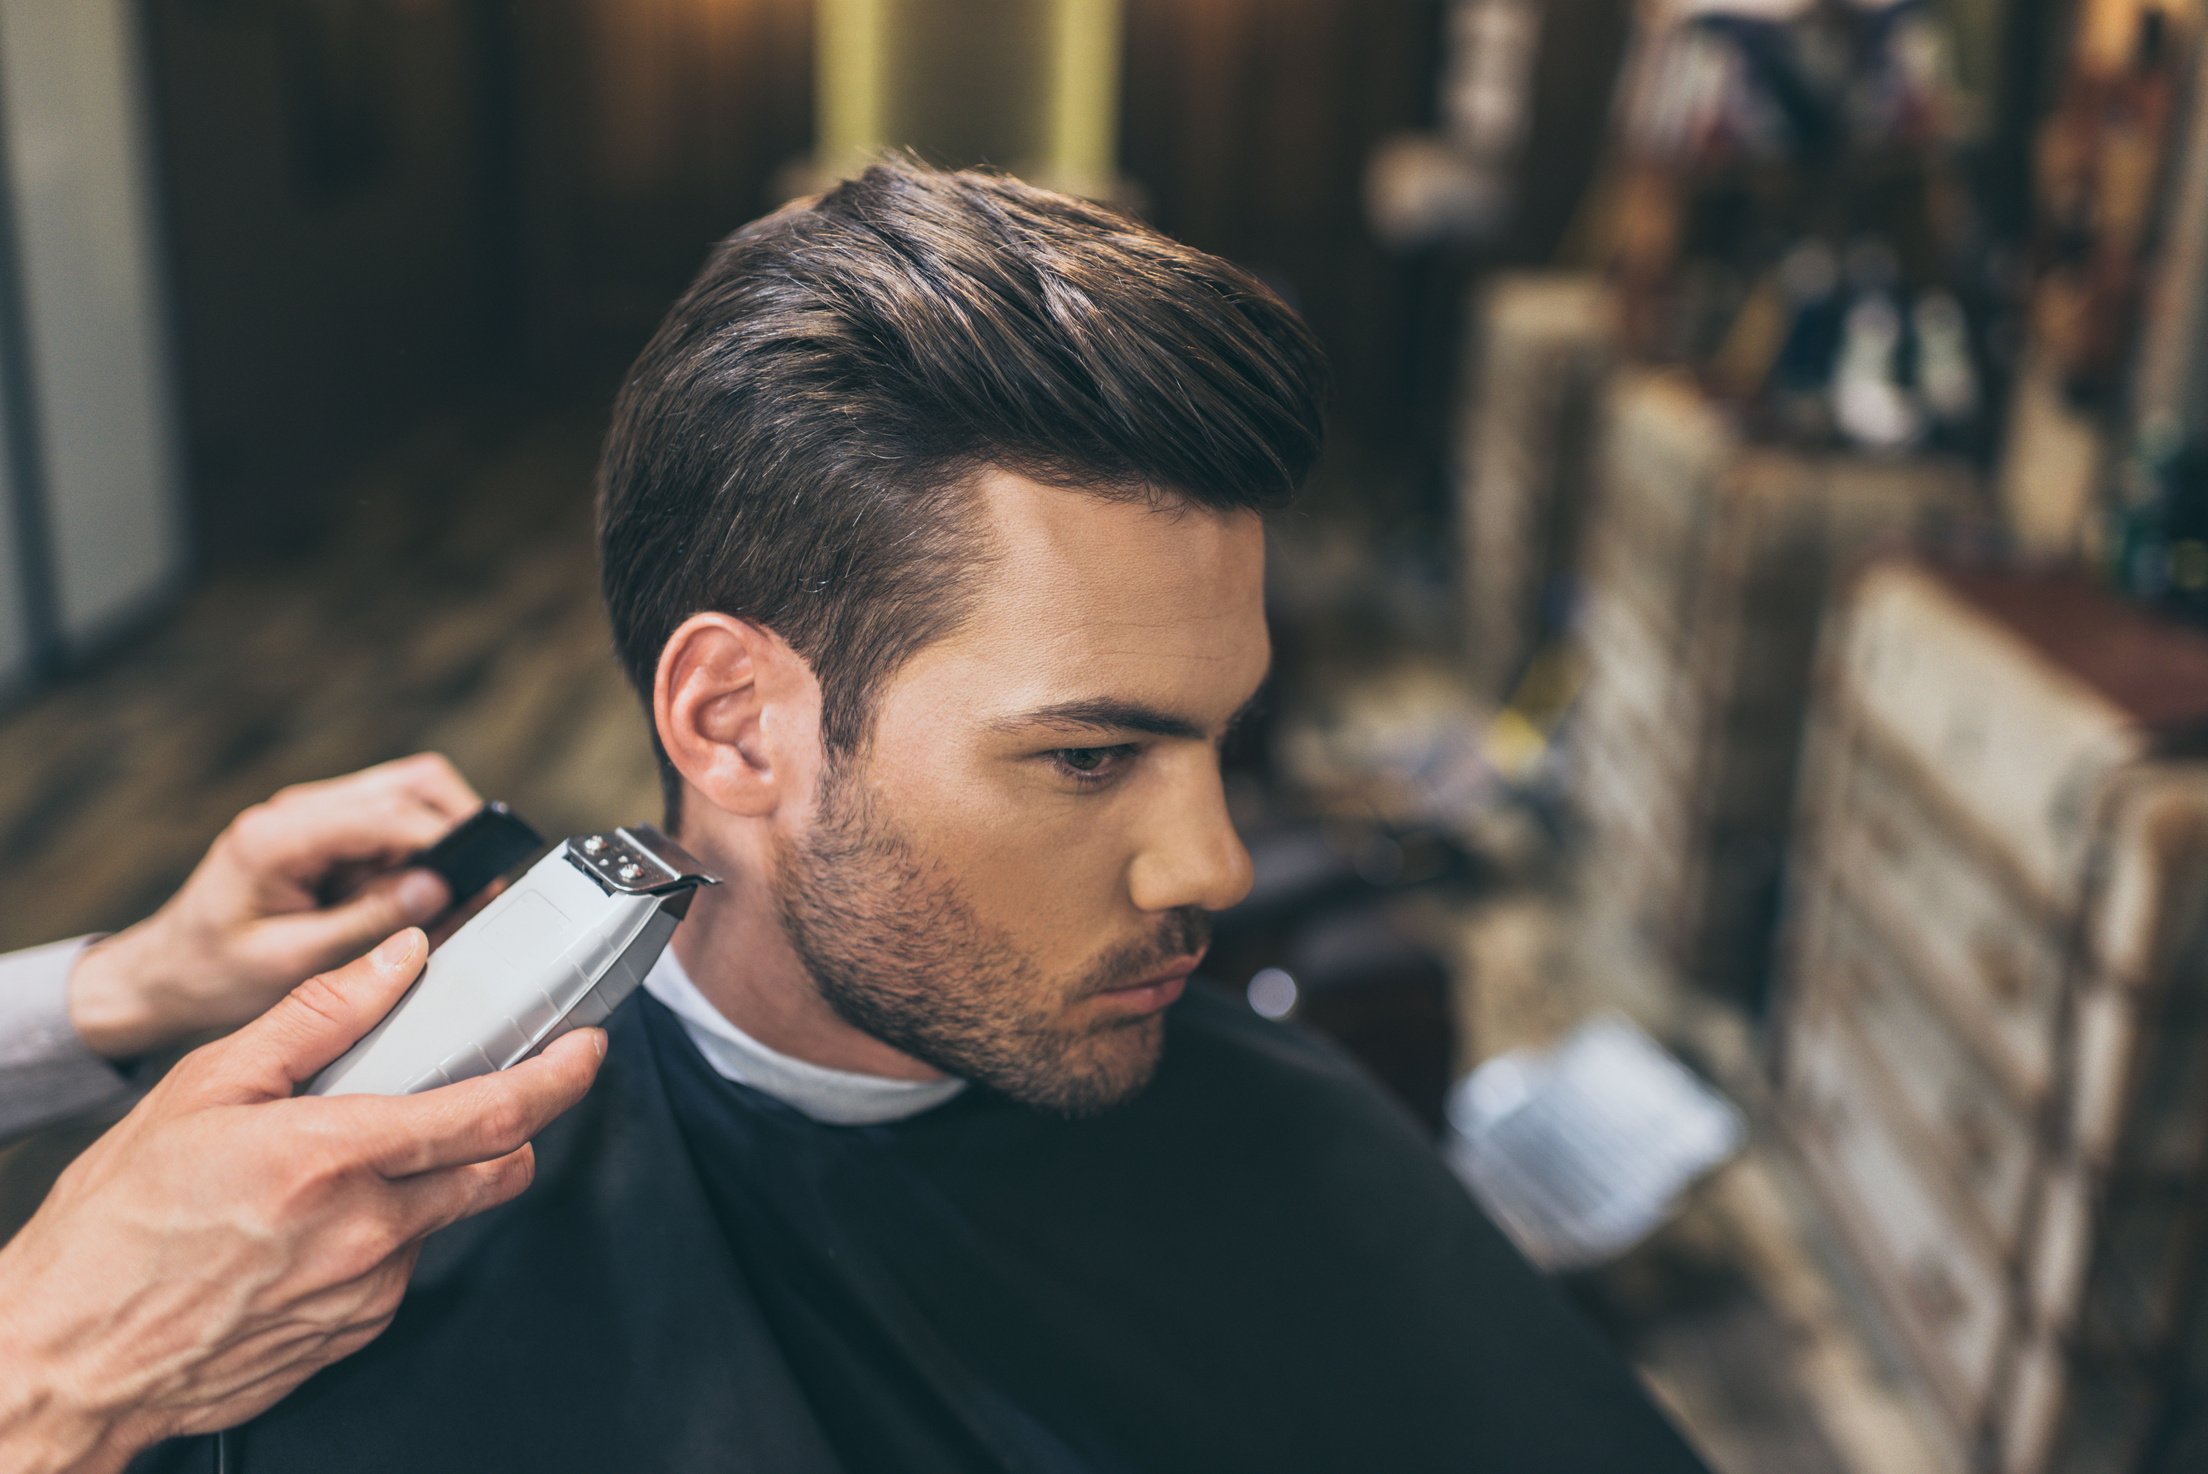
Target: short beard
[(900, 954)]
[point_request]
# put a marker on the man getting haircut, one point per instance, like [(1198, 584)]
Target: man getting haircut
[(931, 533)]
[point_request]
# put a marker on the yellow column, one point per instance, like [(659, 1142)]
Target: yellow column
[(1030, 85), (847, 71), (1084, 118)]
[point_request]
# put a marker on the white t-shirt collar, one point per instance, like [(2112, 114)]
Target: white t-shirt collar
[(832, 1097)]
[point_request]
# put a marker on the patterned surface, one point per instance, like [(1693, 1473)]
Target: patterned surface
[(1740, 1312)]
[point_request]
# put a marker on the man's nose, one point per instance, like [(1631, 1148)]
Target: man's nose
[(1194, 857)]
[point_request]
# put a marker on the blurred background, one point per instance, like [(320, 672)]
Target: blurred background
[(1735, 767)]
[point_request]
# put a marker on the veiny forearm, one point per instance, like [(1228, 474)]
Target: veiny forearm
[(45, 1428)]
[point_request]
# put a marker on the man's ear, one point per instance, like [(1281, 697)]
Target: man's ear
[(738, 712)]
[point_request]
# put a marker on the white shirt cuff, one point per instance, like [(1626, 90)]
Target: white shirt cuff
[(47, 1073)]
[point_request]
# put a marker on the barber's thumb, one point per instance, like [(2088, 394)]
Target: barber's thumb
[(326, 1015)]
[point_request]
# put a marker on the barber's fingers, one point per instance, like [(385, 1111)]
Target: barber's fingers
[(306, 941), (432, 778), (475, 1120), (320, 1019), (428, 778), (380, 814), (428, 1201)]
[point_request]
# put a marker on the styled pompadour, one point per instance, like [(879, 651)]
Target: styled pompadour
[(794, 445)]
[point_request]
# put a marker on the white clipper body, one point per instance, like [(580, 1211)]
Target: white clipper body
[(559, 950)]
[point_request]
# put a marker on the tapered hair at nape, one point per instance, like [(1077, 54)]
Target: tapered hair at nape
[(796, 444)]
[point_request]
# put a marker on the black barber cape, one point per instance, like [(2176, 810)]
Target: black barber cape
[(1256, 1264)]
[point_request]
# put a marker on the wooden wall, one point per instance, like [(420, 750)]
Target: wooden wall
[(377, 209), (318, 174), (1247, 124)]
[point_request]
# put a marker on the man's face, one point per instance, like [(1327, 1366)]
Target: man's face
[(1010, 884)]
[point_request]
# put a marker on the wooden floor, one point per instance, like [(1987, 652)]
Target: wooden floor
[(457, 610), (1739, 1312)]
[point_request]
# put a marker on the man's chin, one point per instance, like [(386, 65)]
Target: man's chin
[(1104, 1069)]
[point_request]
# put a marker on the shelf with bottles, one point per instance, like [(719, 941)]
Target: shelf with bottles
[(2102, 167), (1791, 222), (2119, 293), (1712, 84)]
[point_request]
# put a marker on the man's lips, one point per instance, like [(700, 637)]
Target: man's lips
[(1146, 995)]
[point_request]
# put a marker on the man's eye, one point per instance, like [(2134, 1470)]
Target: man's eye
[(1091, 764)]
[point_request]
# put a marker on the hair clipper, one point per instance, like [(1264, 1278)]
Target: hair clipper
[(559, 950)]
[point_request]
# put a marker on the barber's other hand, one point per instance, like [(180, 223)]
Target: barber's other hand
[(250, 921), (226, 1240)]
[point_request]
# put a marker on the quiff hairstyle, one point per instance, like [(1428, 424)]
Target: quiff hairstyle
[(795, 446)]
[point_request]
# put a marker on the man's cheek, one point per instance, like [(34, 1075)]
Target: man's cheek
[(1022, 891)]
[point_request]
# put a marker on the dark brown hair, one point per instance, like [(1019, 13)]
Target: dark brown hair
[(792, 446)]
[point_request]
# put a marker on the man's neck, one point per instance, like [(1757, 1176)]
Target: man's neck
[(735, 951)]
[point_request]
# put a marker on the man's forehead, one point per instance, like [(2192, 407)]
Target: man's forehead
[(1113, 550), (1086, 596)]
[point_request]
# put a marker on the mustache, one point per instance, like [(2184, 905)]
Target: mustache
[(1180, 934)]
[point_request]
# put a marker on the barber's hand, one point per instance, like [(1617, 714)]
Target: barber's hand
[(226, 1240), (250, 922)]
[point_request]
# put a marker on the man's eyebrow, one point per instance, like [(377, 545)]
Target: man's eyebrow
[(1103, 714), (1111, 714)]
